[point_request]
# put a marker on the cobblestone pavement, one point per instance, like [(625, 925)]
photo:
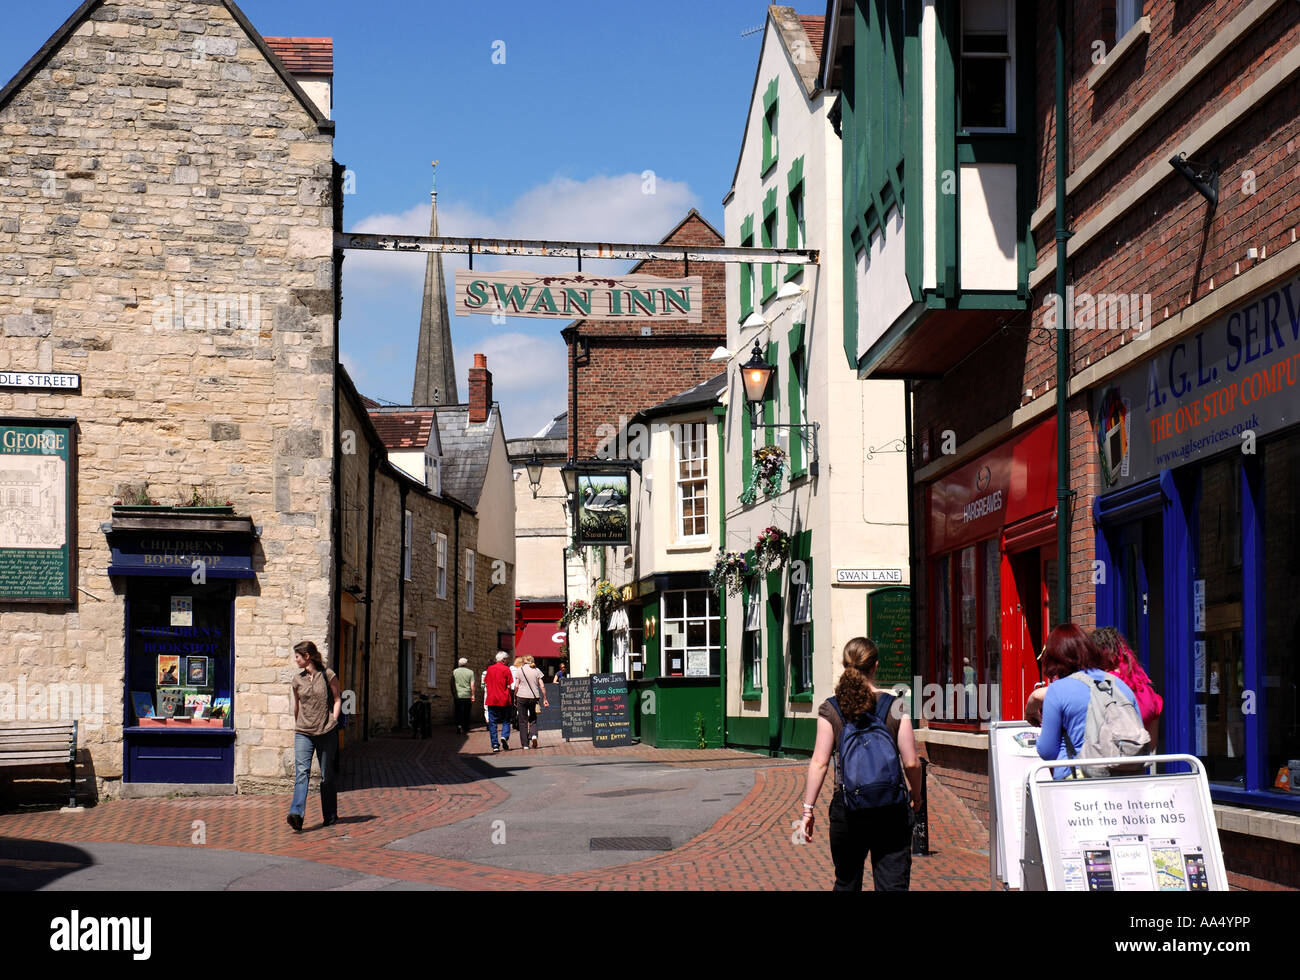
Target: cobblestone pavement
[(397, 793)]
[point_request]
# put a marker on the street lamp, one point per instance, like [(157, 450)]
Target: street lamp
[(755, 373), (569, 473), (534, 467)]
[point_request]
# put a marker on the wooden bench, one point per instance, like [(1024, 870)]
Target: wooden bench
[(42, 745)]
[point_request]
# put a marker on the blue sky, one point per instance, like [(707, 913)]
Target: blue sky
[(551, 144)]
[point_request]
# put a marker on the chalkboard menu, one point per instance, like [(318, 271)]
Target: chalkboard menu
[(610, 719), (575, 707), (889, 623)]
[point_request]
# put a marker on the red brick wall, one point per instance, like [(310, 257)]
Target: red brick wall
[(1164, 247), (963, 771), (627, 372)]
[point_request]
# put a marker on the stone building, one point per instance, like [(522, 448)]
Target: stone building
[(167, 210), (423, 570)]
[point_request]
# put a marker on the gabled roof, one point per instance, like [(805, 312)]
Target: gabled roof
[(704, 393), (403, 429), (815, 28), (305, 55), (557, 428), (466, 450), (793, 30), (56, 40)]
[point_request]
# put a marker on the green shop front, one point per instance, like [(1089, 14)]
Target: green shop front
[(180, 569), (668, 637)]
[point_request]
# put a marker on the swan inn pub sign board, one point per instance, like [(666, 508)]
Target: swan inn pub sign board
[(579, 296)]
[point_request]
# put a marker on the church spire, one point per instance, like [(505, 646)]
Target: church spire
[(435, 368)]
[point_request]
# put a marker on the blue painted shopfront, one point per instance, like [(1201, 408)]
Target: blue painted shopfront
[(179, 575), (1198, 540)]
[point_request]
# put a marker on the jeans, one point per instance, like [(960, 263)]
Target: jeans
[(326, 748), (884, 832), (499, 714)]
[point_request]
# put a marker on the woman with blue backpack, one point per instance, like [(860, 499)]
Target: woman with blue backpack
[(870, 738)]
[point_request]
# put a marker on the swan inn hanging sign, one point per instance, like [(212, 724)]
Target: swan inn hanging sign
[(579, 296)]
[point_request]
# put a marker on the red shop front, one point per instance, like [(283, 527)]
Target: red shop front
[(991, 570)]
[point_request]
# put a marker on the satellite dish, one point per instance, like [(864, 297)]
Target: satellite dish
[(558, 637)]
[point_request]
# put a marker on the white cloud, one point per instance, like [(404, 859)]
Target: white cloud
[(529, 377), (598, 209), (528, 361)]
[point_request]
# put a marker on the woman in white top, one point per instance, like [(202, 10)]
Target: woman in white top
[(529, 687)]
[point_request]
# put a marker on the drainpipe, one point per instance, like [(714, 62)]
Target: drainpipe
[(401, 609), (370, 594), (1063, 496), (721, 412), (913, 561), (455, 589)]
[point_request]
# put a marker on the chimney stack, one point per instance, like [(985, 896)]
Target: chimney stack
[(480, 389)]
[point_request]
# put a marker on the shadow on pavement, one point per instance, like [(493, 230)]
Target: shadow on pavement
[(26, 865)]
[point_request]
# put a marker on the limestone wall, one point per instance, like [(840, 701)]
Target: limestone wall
[(166, 233)]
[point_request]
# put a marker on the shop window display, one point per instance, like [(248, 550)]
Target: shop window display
[(179, 664)]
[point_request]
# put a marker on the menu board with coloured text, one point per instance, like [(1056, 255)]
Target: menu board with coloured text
[(575, 707), (610, 718)]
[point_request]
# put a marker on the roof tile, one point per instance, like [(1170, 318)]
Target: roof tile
[(304, 55)]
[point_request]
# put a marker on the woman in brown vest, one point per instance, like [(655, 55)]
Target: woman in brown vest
[(317, 703)]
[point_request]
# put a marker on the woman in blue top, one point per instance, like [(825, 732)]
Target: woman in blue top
[(1065, 704)]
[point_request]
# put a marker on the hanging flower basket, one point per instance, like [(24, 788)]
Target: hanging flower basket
[(730, 572), (576, 612), (605, 599), (769, 467), (772, 548)]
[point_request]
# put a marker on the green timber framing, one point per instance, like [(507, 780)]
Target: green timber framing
[(882, 131), (782, 729)]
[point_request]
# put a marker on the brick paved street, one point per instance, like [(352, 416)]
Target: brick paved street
[(396, 788), (404, 800)]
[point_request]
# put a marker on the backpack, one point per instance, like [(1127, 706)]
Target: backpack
[(1113, 728), (871, 771)]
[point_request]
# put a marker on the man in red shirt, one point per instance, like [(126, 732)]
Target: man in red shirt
[(496, 695)]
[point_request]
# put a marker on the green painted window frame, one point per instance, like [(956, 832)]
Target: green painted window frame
[(769, 403), (796, 394), (746, 270), (801, 688), (771, 110), (769, 231), (749, 692), (795, 190)]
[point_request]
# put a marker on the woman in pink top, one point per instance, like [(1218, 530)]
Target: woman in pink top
[(1118, 659)]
